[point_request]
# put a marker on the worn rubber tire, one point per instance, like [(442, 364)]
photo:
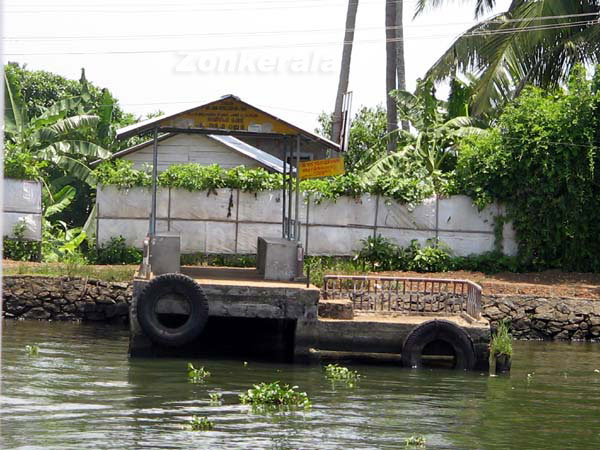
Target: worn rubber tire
[(443, 330), (172, 283)]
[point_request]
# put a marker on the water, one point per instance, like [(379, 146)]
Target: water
[(81, 391)]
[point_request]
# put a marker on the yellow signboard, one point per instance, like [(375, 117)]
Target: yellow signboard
[(321, 168), (231, 114)]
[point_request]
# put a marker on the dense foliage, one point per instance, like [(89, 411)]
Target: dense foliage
[(542, 161), (115, 251), (429, 151), (368, 137), (42, 89), (381, 254)]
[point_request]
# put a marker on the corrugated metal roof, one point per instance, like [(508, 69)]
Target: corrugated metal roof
[(147, 125), (263, 158), (250, 151)]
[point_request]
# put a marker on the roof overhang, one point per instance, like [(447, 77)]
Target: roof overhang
[(235, 115)]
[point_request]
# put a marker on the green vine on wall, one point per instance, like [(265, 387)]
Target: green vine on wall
[(499, 222), (194, 177)]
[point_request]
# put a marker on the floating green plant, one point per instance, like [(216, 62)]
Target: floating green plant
[(197, 375), (32, 350), (215, 397), (201, 424), (415, 441), (335, 372), (275, 394)]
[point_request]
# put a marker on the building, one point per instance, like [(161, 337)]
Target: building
[(201, 135)]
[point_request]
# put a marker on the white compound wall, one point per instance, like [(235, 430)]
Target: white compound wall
[(229, 221), (22, 204)]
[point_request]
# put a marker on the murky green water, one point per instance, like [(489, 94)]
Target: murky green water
[(81, 391)]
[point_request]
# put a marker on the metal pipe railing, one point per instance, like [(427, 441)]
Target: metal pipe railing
[(405, 295)]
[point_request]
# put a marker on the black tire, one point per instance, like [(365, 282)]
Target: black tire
[(157, 288), (458, 339)]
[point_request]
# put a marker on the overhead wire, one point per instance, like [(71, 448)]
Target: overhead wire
[(311, 44), (531, 28), (77, 9), (224, 34), (279, 32)]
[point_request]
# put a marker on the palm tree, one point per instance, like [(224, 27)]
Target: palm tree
[(400, 62), (345, 69), (390, 71), (52, 137), (533, 42)]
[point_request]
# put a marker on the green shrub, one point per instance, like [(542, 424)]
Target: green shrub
[(20, 164), (20, 249), (275, 394), (206, 259), (378, 253), (434, 257), (319, 266), (116, 251), (489, 262), (120, 172)]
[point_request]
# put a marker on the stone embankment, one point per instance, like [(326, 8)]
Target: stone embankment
[(64, 298), (48, 298), (545, 318)]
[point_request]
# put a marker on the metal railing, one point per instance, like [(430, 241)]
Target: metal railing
[(420, 296)]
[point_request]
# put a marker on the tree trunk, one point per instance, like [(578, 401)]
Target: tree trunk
[(390, 70), (400, 53), (336, 127)]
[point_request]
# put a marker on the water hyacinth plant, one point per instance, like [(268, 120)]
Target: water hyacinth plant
[(415, 441), (335, 372), (215, 397), (201, 424), (32, 350), (275, 394), (197, 375)]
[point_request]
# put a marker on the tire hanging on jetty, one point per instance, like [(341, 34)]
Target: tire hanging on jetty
[(438, 330), (172, 284)]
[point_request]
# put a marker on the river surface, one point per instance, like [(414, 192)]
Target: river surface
[(81, 391)]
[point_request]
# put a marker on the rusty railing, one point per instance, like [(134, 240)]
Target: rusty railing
[(420, 296)]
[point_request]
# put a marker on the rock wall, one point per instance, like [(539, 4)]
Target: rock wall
[(64, 298), (545, 318)]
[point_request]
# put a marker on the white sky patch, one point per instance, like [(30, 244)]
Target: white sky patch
[(282, 55)]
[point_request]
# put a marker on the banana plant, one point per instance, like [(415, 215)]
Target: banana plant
[(436, 138), (59, 241), (52, 137)]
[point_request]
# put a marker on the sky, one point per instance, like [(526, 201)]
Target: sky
[(281, 55)]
